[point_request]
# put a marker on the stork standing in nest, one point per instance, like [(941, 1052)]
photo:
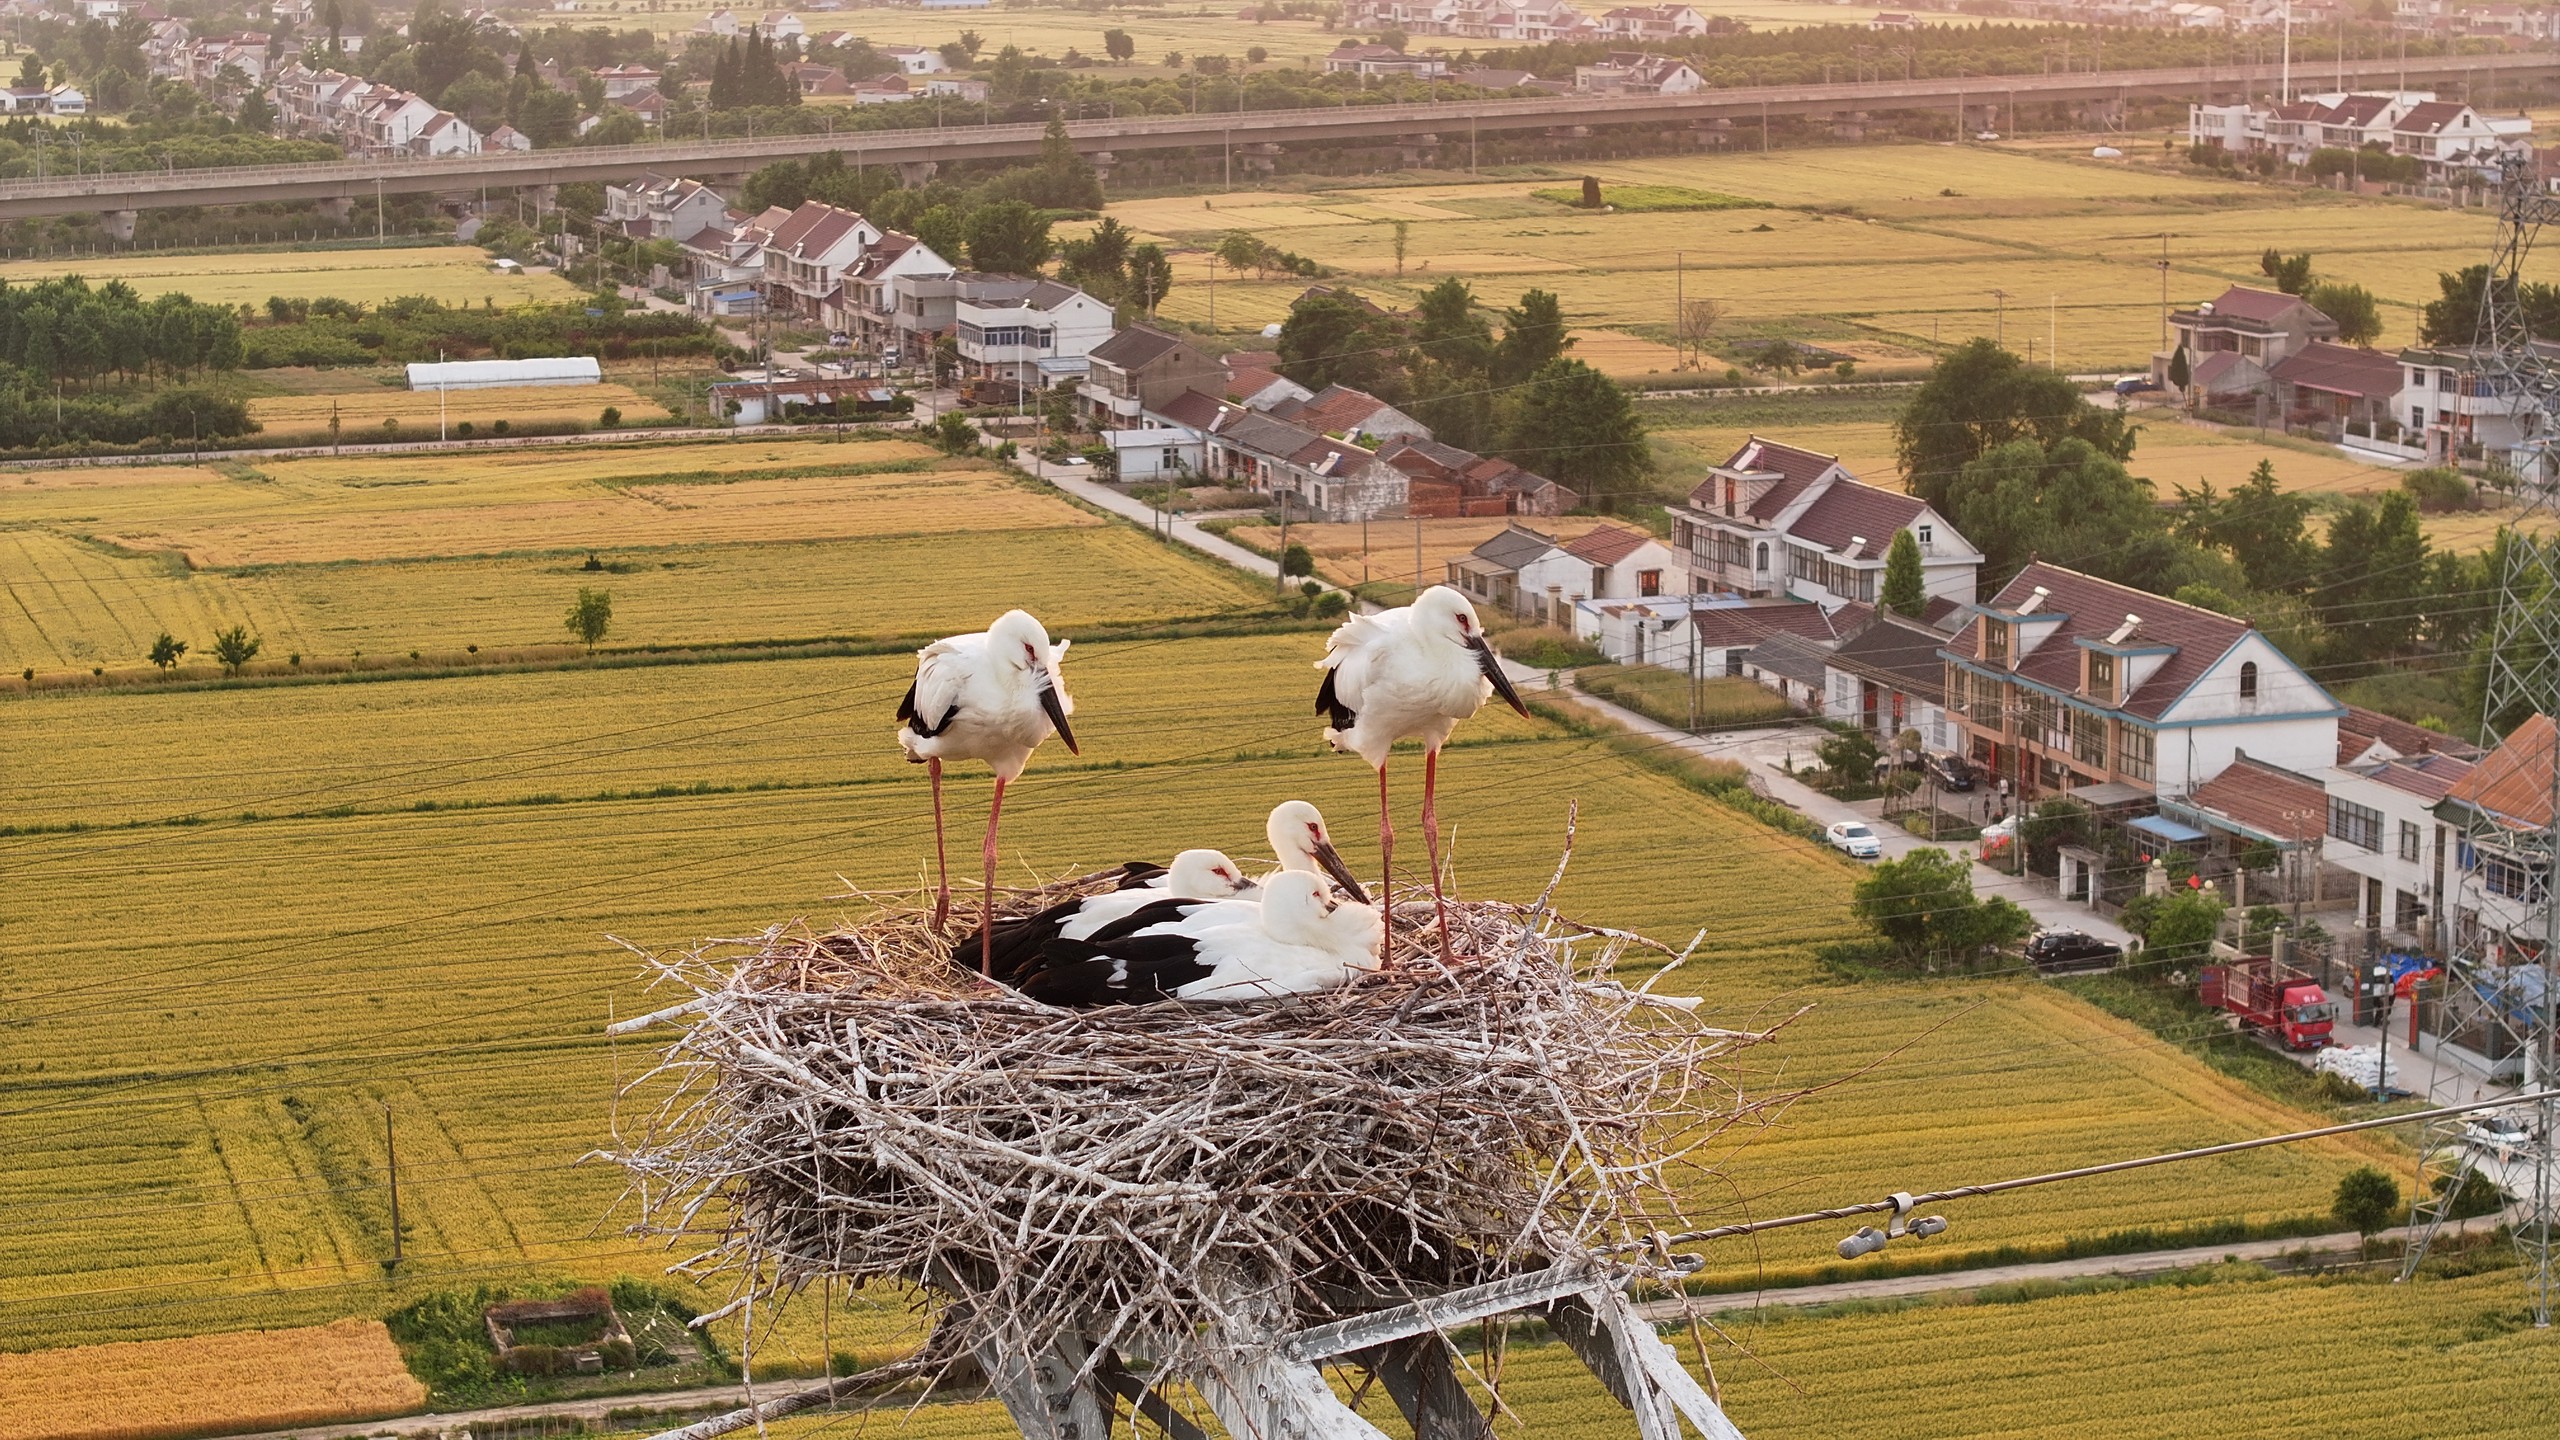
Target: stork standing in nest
[(1409, 674), (992, 696)]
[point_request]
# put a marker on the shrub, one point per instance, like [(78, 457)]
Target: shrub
[(619, 1355), (500, 426), (463, 429), (534, 1360), (2438, 490), (611, 417)]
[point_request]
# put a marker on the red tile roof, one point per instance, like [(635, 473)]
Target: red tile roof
[(2093, 608), (1248, 380), (2428, 117), (2341, 370), (2514, 783), (1608, 544), (1849, 511), (2359, 729), (2240, 302), (2428, 777), (1727, 625), (2272, 801)]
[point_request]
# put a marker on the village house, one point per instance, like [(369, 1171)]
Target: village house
[(2452, 412), (871, 311), (2064, 681), (1534, 576), (1353, 414), (1140, 369), (1778, 520), (1887, 678), (1353, 58), (655, 207), (622, 81), (808, 254), (1626, 73), (1443, 481), (915, 59), (2232, 340), (1331, 479), (1652, 22), (1033, 340), (2338, 393)]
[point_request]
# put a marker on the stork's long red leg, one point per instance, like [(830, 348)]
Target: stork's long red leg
[(1431, 844), (987, 897), (941, 857), (1386, 850)]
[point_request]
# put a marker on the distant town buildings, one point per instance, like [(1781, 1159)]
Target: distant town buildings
[(2449, 139)]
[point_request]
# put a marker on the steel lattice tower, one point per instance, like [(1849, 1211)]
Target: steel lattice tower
[(2505, 989)]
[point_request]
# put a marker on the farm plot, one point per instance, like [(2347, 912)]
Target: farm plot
[(328, 1374), (417, 412), (181, 1161), (1892, 246), (454, 274)]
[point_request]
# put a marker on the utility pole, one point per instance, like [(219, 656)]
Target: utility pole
[(1280, 570), (391, 1149), (1999, 317), (2164, 292)]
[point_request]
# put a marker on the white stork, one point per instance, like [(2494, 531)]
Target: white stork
[(1409, 674), (992, 696), (1299, 940), (1158, 894)]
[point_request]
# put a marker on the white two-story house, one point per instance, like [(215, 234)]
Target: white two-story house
[(1035, 339), (2064, 680), (806, 260), (1777, 521)]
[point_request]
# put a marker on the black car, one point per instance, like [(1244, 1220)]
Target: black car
[(2070, 950), (1952, 772)]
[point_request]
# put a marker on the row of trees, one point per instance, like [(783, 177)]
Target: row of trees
[(63, 331)]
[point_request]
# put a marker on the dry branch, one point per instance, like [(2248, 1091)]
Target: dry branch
[(1167, 1178)]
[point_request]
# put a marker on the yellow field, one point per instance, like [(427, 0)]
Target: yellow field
[(2237, 1359), (455, 274), (362, 413), (708, 541), (254, 1380), (455, 966), (1896, 249)]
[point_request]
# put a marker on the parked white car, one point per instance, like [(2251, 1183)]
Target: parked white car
[(1851, 837), (2500, 1133)]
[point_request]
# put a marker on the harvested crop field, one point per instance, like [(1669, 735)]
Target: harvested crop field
[(344, 1371), (361, 414), (453, 274)]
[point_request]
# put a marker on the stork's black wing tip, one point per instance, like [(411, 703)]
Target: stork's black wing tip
[(907, 706)]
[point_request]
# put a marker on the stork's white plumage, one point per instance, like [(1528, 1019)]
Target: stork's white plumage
[(1409, 674), (994, 697), (1196, 876), (1298, 941)]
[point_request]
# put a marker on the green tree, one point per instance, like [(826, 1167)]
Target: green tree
[(1242, 250), (2292, 273), (1573, 425), (255, 113), (1008, 238), (1980, 397), (1924, 906), (167, 651), (2262, 526), (1533, 337), (1851, 755), (944, 231), (1334, 339), (2358, 314), (2453, 318), (1448, 330), (590, 616), (1403, 235), (1906, 590), (2376, 572), (235, 647), (2178, 927), (1119, 46), (2367, 1202), (2180, 372), (1297, 560), (2072, 504), (1150, 276), (973, 42)]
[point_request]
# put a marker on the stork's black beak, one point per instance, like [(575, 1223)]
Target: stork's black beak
[(1057, 712), (1491, 664), (1330, 861)]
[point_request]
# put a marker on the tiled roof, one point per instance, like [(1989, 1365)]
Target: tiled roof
[(1849, 510), (814, 228), (1135, 346), (1608, 544), (2429, 777), (2240, 302), (2356, 110), (1334, 408), (2359, 729), (2212, 371), (1192, 408), (1246, 380), (1794, 657), (2514, 782), (1516, 546), (1428, 458), (1331, 457), (1721, 626), (1793, 462), (1900, 652), (2430, 116), (2273, 802), (2340, 369), (2092, 608), (1256, 431)]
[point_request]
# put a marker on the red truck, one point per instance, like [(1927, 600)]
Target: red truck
[(2279, 1000)]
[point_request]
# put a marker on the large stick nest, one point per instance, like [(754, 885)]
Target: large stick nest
[(851, 1104)]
